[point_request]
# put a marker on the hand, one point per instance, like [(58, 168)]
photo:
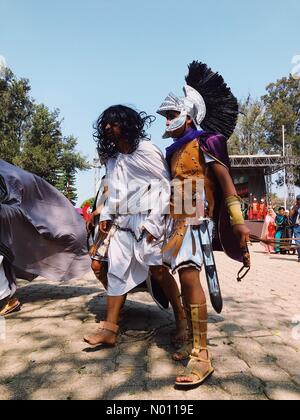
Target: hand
[(90, 223), (242, 233), (149, 238), (104, 226)]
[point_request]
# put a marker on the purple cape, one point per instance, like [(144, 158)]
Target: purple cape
[(41, 233), (216, 146)]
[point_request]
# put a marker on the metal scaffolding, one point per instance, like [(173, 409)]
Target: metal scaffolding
[(271, 165)]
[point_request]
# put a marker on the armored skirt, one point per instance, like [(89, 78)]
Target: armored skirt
[(190, 253)]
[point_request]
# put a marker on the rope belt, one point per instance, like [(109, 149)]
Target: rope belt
[(138, 239)]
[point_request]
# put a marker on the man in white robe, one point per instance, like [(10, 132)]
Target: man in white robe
[(138, 183)]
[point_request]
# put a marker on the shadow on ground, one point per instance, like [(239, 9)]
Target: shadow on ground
[(44, 356)]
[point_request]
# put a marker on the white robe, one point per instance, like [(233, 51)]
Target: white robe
[(129, 177), (5, 290)]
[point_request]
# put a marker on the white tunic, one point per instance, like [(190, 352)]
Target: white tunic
[(133, 205)]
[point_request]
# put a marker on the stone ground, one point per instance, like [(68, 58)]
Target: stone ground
[(254, 343)]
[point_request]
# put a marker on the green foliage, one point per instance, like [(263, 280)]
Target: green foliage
[(42, 145), (282, 104), (16, 109), (70, 162), (31, 137), (276, 201), (259, 127), (248, 138), (89, 201)]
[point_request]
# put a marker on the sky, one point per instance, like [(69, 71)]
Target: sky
[(83, 56)]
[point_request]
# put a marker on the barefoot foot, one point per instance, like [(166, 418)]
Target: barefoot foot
[(106, 334), (181, 334)]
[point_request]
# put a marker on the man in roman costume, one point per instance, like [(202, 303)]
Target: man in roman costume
[(200, 123)]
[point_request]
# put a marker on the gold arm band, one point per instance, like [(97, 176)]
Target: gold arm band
[(233, 204)]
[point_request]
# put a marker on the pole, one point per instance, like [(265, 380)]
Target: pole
[(284, 168), (283, 141)]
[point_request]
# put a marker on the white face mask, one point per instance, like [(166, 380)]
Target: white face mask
[(175, 124), (191, 104)]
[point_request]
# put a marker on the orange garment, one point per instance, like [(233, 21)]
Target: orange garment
[(187, 163), (262, 213), (255, 210)]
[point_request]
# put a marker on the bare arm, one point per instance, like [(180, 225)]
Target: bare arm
[(228, 188), (224, 179)]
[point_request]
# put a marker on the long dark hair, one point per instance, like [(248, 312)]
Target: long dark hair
[(132, 124)]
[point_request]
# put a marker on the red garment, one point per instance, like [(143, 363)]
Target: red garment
[(253, 212), (271, 230), (85, 212), (262, 212)]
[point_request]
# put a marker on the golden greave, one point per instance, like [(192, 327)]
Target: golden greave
[(199, 326)]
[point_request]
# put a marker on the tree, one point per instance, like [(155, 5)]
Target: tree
[(248, 138), (31, 137), (70, 162), (42, 145), (16, 108), (276, 201), (282, 104)]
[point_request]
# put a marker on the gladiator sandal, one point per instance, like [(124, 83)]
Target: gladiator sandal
[(98, 338), (198, 368), (185, 350)]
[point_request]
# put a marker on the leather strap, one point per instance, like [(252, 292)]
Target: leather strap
[(104, 325)]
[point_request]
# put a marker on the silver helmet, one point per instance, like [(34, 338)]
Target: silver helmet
[(208, 101), (192, 105)]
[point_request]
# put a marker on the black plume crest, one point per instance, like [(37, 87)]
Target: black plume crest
[(221, 105)]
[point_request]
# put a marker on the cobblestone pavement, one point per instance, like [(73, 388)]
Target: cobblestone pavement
[(254, 343)]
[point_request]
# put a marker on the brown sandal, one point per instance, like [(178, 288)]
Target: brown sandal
[(193, 372), (13, 305), (97, 339), (193, 349)]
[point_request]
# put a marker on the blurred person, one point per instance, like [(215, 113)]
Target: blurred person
[(269, 229), (295, 215), (41, 234)]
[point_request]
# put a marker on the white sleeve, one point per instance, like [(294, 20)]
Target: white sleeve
[(105, 215), (154, 163)]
